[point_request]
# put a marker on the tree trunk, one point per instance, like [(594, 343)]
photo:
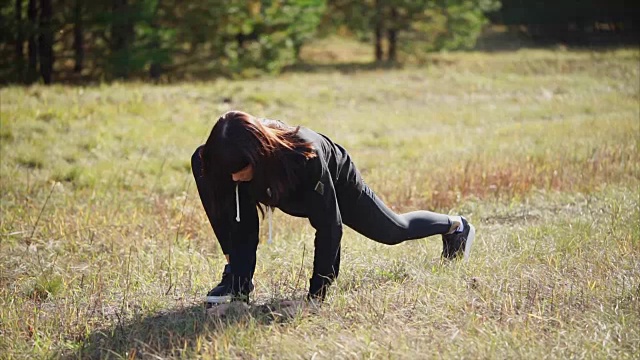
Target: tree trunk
[(392, 36), (46, 41), (78, 37), (297, 48), (19, 42), (122, 33), (378, 31), (155, 69), (32, 14), (240, 40), (378, 42)]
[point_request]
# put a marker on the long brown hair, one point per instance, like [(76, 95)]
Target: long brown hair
[(274, 150)]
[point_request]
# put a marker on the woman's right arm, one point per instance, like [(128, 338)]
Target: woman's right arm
[(244, 241)]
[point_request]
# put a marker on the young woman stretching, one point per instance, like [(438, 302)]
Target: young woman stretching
[(249, 163)]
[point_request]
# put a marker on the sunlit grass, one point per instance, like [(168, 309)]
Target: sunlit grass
[(105, 250)]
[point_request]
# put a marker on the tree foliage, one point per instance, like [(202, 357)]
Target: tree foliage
[(79, 40), (413, 25), (123, 39)]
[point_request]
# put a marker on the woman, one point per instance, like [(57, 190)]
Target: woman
[(248, 164)]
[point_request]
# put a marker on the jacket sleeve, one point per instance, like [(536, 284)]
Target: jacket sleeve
[(324, 216), (244, 241)]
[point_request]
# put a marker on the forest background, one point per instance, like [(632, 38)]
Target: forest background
[(83, 41)]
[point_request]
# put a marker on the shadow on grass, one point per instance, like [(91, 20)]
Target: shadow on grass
[(344, 68), (169, 332)]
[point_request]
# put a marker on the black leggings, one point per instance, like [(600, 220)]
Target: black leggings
[(362, 211), (365, 213)]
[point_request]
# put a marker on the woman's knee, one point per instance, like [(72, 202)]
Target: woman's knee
[(393, 236), (394, 240)]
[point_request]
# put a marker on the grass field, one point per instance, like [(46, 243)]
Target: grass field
[(105, 251)]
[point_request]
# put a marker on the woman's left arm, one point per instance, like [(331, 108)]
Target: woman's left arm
[(324, 216)]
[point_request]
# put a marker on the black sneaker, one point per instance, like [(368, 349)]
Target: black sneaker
[(459, 243), (225, 292)]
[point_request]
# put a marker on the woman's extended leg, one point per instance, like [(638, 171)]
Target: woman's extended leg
[(365, 213)]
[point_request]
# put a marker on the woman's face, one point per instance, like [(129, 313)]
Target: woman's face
[(246, 174)]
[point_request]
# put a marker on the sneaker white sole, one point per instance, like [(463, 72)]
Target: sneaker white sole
[(469, 243), (218, 299)]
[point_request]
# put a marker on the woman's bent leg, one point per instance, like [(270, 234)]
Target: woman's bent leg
[(219, 227), (369, 216)]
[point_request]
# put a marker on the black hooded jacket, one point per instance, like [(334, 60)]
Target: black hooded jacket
[(325, 181)]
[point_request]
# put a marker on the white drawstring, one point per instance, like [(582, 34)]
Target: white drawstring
[(269, 211), (237, 204)]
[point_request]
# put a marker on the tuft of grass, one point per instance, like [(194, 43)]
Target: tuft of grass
[(71, 174), (31, 162), (44, 287)]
